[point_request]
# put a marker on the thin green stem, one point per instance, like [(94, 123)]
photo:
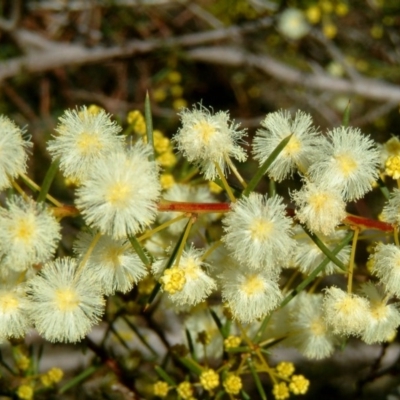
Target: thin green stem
[(149, 125), (184, 239), (78, 379), (161, 227), (352, 259), (302, 285), (235, 172), (89, 251), (33, 186), (324, 249), (48, 179), (139, 250), (225, 183), (139, 335), (396, 235), (264, 167)]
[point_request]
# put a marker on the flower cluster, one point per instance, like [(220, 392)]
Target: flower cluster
[(238, 273)]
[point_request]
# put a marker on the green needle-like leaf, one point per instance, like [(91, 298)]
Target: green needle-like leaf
[(346, 115), (256, 378), (78, 379), (304, 284), (149, 125), (264, 168), (324, 249), (48, 179), (164, 375)]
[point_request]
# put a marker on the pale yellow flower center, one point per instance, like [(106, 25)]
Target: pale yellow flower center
[(67, 299), (192, 269), (113, 254), (88, 143), (293, 147), (118, 194), (347, 305), (206, 131), (253, 285), (379, 311), (318, 327), (8, 302), (346, 164), (261, 229), (23, 230), (318, 201)]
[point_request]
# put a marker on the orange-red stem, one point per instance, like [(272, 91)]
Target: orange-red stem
[(361, 223)]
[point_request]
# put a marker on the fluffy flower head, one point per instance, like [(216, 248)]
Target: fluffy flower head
[(320, 207), (383, 318), (114, 262), (296, 154), (250, 295), (84, 136), (208, 139), (29, 233), (345, 313), (64, 304), (14, 321), (311, 335), (13, 152), (347, 160), (193, 283), (257, 231), (391, 211), (386, 266), (120, 193)]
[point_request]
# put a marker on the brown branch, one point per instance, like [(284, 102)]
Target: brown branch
[(58, 54), (366, 87)]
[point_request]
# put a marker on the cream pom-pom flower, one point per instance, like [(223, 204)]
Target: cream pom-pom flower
[(320, 207), (114, 262), (84, 136), (29, 233), (208, 139), (347, 160), (258, 233), (345, 313), (64, 302), (250, 294), (386, 266), (309, 332), (119, 195), (383, 318), (196, 285), (297, 153), (13, 152), (14, 320)]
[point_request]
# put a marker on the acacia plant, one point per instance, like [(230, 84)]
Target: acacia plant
[(165, 235)]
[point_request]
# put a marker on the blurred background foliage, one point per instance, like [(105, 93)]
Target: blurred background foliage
[(250, 57)]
